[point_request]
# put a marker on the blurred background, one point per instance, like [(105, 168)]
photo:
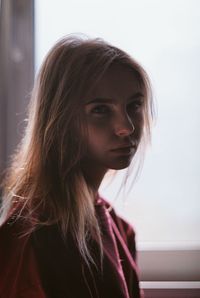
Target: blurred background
[(164, 36)]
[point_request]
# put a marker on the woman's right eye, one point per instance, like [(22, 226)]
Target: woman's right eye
[(101, 110)]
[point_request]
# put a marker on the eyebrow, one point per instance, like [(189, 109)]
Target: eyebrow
[(110, 100)]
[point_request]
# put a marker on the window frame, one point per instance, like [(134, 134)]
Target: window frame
[(17, 72)]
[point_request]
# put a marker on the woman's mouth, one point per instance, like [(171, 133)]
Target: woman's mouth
[(124, 150)]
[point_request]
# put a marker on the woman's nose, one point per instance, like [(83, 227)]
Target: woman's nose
[(124, 126)]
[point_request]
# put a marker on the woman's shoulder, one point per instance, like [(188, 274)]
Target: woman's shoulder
[(10, 236), (125, 228), (18, 270), (123, 231)]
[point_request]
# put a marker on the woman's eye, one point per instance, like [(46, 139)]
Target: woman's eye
[(136, 105), (100, 110)]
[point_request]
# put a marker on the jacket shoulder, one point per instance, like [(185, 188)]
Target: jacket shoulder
[(126, 230), (18, 270)]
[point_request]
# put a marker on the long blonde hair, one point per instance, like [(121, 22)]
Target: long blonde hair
[(45, 184)]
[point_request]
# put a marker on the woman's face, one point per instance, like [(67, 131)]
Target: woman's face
[(113, 111)]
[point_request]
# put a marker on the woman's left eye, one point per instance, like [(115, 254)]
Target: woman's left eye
[(136, 105)]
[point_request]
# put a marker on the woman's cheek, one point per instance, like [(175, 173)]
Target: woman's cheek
[(98, 124)]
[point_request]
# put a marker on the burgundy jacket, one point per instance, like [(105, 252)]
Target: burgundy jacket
[(43, 265)]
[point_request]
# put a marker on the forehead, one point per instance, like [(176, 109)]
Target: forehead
[(119, 82)]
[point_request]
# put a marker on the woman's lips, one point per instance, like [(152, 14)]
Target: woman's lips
[(124, 150)]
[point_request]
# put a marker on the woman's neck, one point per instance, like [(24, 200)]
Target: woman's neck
[(93, 175)]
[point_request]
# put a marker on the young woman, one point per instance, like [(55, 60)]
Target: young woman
[(90, 111)]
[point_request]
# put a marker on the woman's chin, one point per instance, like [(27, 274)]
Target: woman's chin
[(120, 164)]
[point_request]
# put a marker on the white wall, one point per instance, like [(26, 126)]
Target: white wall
[(164, 36)]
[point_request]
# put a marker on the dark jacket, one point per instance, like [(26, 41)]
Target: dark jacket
[(44, 265)]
